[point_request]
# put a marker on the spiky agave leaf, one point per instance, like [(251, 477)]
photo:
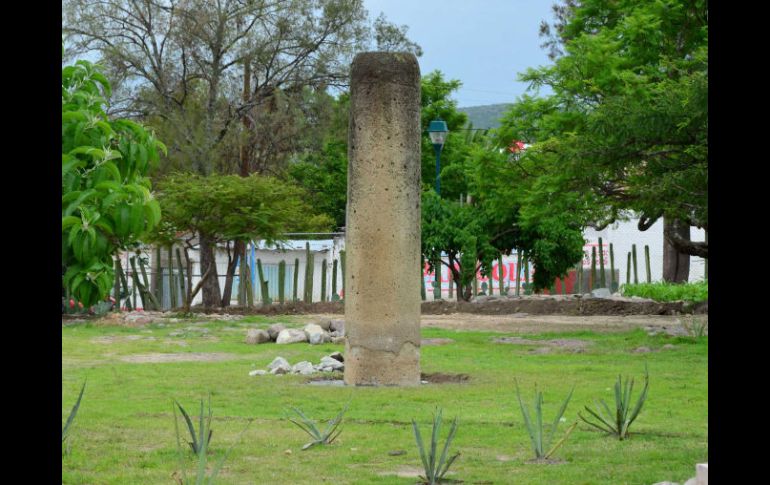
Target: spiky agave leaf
[(190, 427), (73, 413), (528, 422), (443, 465)]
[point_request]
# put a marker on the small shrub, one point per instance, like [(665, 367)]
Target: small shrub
[(435, 470), (198, 442), (325, 437), (540, 442), (662, 291), (619, 422), (71, 417)]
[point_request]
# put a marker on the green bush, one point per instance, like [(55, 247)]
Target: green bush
[(698, 291)]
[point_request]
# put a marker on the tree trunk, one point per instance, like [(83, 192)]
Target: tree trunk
[(212, 296), (239, 255), (676, 265)]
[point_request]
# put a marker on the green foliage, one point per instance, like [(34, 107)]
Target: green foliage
[(626, 128), (619, 422), (202, 451), (325, 437), (71, 417), (541, 441), (202, 439), (663, 291), (435, 469), (229, 207), (106, 199), (324, 176)]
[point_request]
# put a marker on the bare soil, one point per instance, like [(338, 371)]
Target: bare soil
[(157, 358)]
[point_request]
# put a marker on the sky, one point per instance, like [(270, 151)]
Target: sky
[(483, 43)]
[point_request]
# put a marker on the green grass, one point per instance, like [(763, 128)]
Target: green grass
[(662, 291), (124, 432)]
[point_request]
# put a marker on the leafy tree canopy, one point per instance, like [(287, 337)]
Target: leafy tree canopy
[(626, 128), (231, 207)]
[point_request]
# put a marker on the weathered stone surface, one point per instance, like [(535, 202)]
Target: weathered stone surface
[(274, 329), (337, 356), (290, 336), (338, 325), (339, 340), (382, 298), (258, 372), (279, 363), (642, 350), (303, 368), (324, 323), (315, 334), (702, 474), (331, 362), (601, 293), (257, 336)]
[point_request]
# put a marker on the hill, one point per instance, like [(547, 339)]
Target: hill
[(487, 116)]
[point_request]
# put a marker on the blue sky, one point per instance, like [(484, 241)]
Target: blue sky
[(483, 43)]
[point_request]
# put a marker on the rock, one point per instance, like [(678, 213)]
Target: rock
[(290, 336), (331, 362), (274, 329), (691, 481), (258, 372), (257, 336), (315, 334), (337, 356), (669, 347), (702, 473), (338, 325), (334, 333), (642, 350), (304, 368), (325, 324), (601, 293), (280, 371), (279, 363), (338, 340)]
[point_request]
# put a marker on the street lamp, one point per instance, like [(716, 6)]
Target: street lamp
[(438, 132)]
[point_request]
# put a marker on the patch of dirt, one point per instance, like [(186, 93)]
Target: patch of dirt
[(545, 461), (435, 341), (573, 345), (505, 458), (404, 472), (111, 339), (156, 358), (440, 378), (496, 305)]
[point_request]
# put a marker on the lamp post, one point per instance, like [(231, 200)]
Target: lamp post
[(438, 132)]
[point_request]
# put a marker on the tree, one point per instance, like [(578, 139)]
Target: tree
[(626, 127), (183, 65), (106, 200), (220, 208)]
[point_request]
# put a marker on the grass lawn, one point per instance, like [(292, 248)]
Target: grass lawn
[(124, 431)]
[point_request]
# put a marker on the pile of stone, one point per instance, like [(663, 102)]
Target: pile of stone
[(321, 332), (331, 363)]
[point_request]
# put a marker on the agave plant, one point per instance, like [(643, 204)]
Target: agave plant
[(200, 477), (619, 422), (324, 437), (73, 413), (540, 442), (198, 442), (435, 470)]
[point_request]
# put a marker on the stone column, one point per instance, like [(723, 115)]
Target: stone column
[(382, 288)]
